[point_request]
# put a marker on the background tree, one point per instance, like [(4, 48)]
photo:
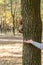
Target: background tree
[(13, 15), (32, 29)]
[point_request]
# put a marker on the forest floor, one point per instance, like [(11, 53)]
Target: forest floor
[(10, 52)]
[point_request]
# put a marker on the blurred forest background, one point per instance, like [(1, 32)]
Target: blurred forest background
[(10, 14)]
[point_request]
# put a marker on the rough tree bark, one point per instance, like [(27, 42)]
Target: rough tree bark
[(32, 29)]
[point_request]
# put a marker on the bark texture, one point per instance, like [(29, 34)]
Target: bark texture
[(32, 29)]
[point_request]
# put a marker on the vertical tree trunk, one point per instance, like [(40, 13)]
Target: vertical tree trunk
[(13, 16), (32, 29)]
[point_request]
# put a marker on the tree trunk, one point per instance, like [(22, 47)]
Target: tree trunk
[(13, 15), (32, 29)]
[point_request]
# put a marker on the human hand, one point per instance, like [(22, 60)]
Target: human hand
[(28, 41)]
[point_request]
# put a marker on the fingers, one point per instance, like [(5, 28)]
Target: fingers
[(28, 41)]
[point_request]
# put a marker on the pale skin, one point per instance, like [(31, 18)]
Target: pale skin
[(28, 41)]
